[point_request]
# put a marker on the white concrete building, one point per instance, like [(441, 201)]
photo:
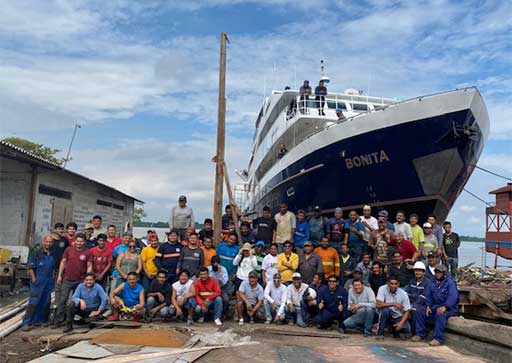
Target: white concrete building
[(35, 194)]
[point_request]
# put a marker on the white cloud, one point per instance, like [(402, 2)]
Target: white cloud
[(498, 162), (158, 172), (97, 72), (467, 208), (474, 219)]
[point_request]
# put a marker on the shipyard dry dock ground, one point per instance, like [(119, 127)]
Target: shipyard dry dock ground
[(251, 343)]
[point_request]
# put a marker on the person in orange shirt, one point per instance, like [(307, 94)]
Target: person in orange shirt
[(330, 258), (208, 250)]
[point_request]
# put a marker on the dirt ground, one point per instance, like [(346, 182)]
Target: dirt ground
[(22, 347)]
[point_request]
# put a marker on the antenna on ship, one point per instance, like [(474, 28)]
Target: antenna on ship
[(323, 77)]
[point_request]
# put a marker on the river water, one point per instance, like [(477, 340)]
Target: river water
[(468, 251)]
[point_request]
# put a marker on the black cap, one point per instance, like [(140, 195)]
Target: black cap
[(431, 254)]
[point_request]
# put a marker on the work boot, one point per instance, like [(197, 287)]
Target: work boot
[(26, 327), (434, 343), (113, 317), (416, 339), (68, 328)]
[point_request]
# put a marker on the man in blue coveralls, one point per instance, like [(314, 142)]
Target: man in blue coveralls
[(442, 298), (332, 304), (417, 290), (41, 271)]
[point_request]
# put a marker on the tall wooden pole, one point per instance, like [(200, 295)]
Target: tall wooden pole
[(221, 134)]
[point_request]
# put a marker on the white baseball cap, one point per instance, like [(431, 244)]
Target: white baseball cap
[(419, 266)]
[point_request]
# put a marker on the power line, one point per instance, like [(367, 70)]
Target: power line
[(477, 197), (493, 173), (488, 204)]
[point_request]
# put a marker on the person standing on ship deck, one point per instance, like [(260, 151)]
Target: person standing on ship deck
[(305, 92), (182, 217), (320, 93)]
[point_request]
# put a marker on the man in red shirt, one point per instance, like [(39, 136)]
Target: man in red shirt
[(405, 247), (101, 258), (75, 264), (207, 296), (70, 235), (112, 240)]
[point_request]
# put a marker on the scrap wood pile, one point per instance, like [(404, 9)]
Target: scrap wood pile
[(476, 276), (492, 284)]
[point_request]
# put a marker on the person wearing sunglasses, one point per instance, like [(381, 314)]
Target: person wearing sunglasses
[(128, 262), (332, 305)]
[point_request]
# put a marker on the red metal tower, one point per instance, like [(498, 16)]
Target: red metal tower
[(498, 235)]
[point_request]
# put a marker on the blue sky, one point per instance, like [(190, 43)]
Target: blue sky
[(141, 78)]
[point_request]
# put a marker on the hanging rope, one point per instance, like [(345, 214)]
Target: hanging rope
[(491, 172)]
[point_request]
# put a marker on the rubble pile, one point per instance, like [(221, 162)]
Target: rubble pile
[(479, 277)]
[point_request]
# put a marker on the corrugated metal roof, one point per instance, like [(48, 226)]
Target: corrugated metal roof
[(48, 164)]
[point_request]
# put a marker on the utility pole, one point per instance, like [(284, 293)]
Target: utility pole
[(77, 126), (221, 141)]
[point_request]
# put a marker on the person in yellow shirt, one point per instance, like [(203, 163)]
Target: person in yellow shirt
[(287, 263), (417, 232), (147, 256), (208, 250)]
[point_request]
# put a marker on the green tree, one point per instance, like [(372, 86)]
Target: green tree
[(44, 152), (138, 214)]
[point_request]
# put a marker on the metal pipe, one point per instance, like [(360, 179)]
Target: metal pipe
[(12, 312), (11, 329)]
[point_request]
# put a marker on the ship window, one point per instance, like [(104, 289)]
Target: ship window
[(334, 105), (360, 107)]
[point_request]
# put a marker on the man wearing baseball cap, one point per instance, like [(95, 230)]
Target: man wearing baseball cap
[(432, 262), (335, 229), (442, 298), (416, 290), (294, 303), (383, 216), (430, 240), (182, 216), (332, 303)]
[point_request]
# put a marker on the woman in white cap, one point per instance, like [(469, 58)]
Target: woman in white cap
[(246, 263)]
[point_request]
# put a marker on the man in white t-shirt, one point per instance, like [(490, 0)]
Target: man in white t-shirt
[(285, 225), (369, 222), (402, 226), (275, 295), (269, 265), (182, 295)]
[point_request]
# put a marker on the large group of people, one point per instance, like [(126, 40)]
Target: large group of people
[(361, 273)]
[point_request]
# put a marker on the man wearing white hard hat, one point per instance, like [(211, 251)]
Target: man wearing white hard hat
[(416, 290)]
